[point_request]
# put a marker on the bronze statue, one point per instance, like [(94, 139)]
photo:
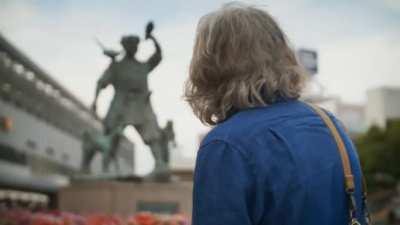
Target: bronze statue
[(131, 102), (93, 143)]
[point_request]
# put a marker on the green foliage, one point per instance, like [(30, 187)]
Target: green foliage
[(379, 151)]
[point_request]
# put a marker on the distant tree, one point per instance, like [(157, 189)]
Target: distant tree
[(392, 141), (379, 151)]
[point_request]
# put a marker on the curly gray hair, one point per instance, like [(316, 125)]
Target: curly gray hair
[(241, 59)]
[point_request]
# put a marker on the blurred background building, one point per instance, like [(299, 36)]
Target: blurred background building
[(41, 127), (383, 104)]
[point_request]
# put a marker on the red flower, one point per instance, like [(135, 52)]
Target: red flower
[(143, 218)]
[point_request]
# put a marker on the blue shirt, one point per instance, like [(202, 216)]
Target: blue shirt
[(273, 165)]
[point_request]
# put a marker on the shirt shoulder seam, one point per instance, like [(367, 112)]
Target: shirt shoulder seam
[(226, 142)]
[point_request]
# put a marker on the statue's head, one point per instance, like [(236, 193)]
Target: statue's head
[(130, 44)]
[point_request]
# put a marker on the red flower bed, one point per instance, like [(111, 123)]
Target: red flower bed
[(23, 217)]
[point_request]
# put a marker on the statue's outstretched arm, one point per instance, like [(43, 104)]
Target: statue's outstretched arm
[(155, 59)]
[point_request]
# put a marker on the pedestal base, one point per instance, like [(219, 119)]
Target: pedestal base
[(127, 198)]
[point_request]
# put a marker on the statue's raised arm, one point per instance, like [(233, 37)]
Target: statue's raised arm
[(155, 59)]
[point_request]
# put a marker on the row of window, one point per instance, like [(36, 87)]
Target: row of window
[(45, 109), (60, 120), (50, 151), (48, 89), (43, 87)]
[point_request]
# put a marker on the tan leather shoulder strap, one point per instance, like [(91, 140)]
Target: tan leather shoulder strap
[(348, 174)]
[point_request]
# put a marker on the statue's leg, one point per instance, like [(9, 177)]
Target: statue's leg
[(151, 135), (156, 149), (165, 147), (84, 162), (86, 159), (114, 151), (166, 152), (106, 161), (110, 152), (88, 151), (165, 141), (116, 163)]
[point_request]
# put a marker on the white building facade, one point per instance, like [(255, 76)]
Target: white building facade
[(383, 104), (352, 116)]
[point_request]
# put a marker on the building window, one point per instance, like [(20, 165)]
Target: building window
[(50, 151), (65, 157), (31, 144), (6, 123), (6, 87)]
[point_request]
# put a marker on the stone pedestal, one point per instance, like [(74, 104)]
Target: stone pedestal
[(127, 198)]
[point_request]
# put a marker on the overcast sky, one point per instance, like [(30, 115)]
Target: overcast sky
[(358, 43)]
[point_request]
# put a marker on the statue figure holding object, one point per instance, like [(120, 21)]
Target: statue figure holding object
[(131, 103)]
